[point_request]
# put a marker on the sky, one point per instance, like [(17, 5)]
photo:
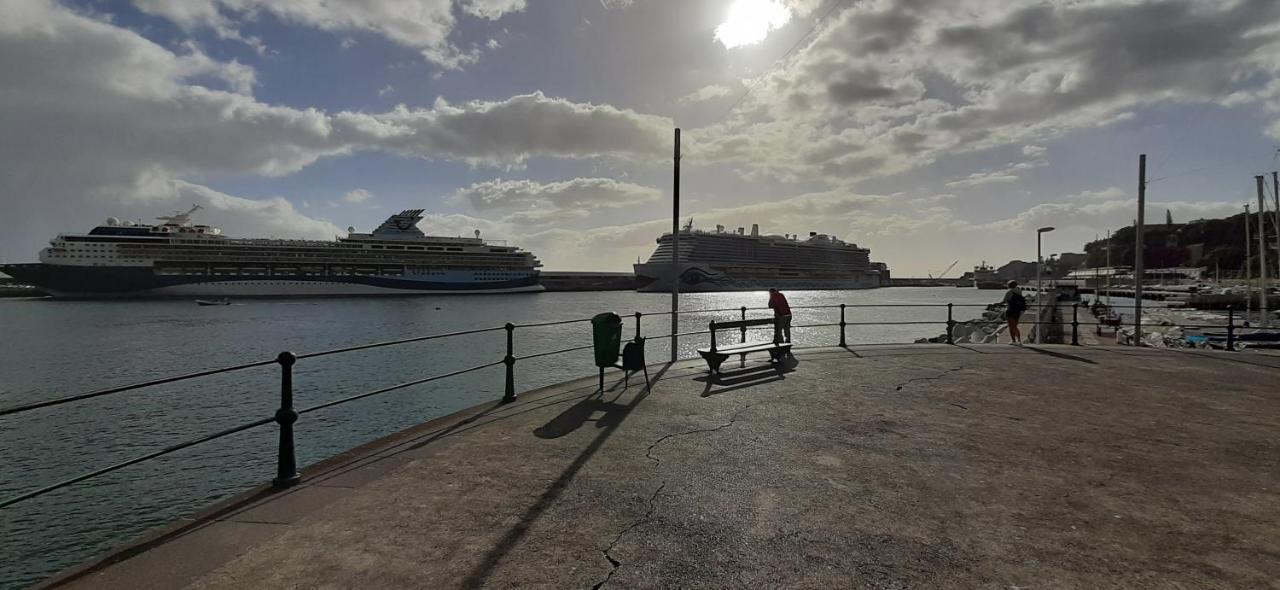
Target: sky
[(927, 130)]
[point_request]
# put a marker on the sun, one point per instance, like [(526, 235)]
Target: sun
[(749, 21)]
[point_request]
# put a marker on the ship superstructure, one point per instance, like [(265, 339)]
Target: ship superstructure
[(180, 258), (985, 277), (737, 261)]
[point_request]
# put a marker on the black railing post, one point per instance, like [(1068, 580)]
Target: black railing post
[(638, 314), (951, 324), (1231, 327), (842, 325), (286, 458), (510, 360), (1075, 324), (744, 328)]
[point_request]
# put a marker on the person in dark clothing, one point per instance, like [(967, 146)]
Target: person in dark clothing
[(1014, 305), (781, 311)]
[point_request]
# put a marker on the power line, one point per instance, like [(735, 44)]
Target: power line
[(834, 5)]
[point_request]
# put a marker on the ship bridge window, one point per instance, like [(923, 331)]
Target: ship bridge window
[(394, 247), (454, 249), (376, 247), (415, 247), (435, 248)]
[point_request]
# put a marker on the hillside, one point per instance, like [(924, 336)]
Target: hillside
[(1217, 244)]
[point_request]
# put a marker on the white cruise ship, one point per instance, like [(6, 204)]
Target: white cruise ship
[(177, 258), (738, 261)]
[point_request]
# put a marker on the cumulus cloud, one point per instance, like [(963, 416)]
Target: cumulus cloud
[(973, 75), (704, 94), (99, 121), (535, 202), (424, 25), (510, 131), (356, 196)]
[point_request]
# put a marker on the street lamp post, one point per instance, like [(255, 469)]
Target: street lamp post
[(1039, 293)]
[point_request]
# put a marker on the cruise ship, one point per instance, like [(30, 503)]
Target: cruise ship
[(738, 261), (178, 258)]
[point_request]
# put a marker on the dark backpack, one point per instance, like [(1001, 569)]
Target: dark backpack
[(1017, 303)]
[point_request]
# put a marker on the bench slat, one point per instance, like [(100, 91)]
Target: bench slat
[(746, 347), (742, 324)]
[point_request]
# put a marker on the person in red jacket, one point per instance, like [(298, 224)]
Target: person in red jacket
[(781, 311)]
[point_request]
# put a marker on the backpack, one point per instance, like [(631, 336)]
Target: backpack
[(1017, 303)]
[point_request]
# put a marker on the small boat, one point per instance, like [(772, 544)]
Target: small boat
[(223, 301)]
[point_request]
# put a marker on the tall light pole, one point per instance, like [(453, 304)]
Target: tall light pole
[(1039, 294), (675, 255)]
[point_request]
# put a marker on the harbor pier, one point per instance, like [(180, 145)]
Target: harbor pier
[(866, 466)]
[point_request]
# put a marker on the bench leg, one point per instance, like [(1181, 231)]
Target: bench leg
[(714, 362), (647, 387)]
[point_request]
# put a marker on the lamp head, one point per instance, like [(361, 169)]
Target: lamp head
[(1044, 229)]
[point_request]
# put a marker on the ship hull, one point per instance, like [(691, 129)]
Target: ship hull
[(700, 278), (80, 282)]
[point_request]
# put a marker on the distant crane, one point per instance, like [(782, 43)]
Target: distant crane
[(945, 270)]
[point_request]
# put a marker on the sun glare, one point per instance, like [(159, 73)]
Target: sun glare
[(749, 21)]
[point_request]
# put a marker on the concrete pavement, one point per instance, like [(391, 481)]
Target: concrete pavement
[(882, 467)]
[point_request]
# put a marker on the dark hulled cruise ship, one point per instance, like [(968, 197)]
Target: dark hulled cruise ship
[(738, 261), (177, 258)]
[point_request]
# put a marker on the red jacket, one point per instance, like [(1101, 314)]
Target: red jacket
[(778, 303)]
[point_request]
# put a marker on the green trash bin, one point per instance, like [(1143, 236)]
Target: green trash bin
[(606, 335)]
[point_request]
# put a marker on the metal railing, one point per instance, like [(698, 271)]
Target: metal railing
[(287, 415)]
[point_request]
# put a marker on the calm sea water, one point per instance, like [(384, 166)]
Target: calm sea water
[(51, 349)]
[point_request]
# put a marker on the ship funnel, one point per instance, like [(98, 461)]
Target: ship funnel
[(813, 234), (477, 234), (755, 230), (719, 229), (742, 230)]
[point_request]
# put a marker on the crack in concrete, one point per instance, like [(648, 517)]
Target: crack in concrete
[(613, 563), (734, 418), (934, 378)]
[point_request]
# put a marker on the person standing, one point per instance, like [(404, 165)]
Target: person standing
[(782, 316), (1014, 305)]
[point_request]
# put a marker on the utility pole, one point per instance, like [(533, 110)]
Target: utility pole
[(1139, 251), (1275, 217), (1248, 270), (675, 256), (1262, 251)]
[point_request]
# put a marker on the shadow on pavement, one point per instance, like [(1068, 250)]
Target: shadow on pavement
[(1061, 355), (480, 573), (727, 381)]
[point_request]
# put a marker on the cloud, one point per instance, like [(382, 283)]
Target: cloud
[(704, 94), (510, 131), (356, 196), (548, 202), (423, 25), (100, 121), (273, 217), (931, 79)]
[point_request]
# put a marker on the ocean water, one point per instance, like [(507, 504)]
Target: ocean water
[(51, 349)]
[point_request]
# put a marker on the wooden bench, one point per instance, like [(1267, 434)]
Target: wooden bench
[(715, 355)]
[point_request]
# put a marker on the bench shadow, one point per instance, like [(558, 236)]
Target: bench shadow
[(726, 381)]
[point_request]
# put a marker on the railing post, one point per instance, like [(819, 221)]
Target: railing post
[(1075, 324), (712, 328), (286, 458), (842, 325), (744, 328), (638, 314), (1231, 327), (510, 360), (951, 324)]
